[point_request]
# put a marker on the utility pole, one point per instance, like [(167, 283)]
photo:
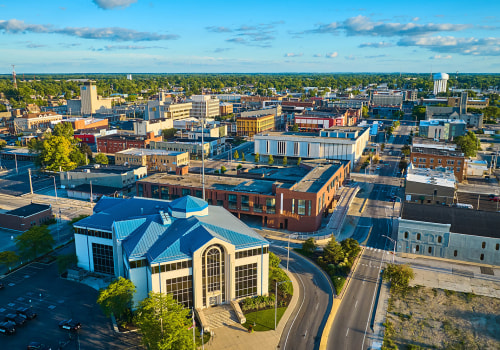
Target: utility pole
[(202, 158), (91, 194), (31, 185), (55, 187), (478, 196)]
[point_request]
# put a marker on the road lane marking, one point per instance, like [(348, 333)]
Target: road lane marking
[(356, 304), (317, 305), (346, 333), (305, 334)]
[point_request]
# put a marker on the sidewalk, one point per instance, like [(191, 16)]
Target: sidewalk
[(236, 337)]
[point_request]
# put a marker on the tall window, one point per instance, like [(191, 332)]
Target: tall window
[(186, 192), (155, 191), (271, 205), (165, 192), (140, 190), (267, 147), (213, 276), (301, 208), (181, 289), (232, 201), (293, 205), (246, 280), (296, 148), (281, 147), (103, 258), (245, 203)]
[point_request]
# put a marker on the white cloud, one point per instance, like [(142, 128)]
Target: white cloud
[(439, 57), (317, 55), (380, 44), (332, 55), (450, 44), (110, 33), (292, 54), (111, 4)]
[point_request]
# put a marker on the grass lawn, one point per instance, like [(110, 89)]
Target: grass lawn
[(264, 319)]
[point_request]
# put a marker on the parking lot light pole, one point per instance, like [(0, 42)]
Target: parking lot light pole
[(394, 250), (55, 187)]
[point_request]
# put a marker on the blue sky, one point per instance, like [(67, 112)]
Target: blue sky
[(132, 36)]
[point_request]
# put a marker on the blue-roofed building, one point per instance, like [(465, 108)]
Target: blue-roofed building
[(202, 254)]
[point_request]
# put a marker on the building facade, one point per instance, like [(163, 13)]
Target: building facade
[(293, 199), (116, 176), (201, 254), (442, 129), (434, 158), (211, 146), (204, 106), (343, 143), (31, 121), (143, 127), (153, 159), (428, 186), (22, 219), (120, 142), (251, 125), (449, 233)]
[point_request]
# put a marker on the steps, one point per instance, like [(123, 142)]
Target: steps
[(219, 316)]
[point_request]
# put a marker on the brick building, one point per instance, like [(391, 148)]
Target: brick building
[(120, 142), (433, 158), (22, 219), (153, 159), (294, 198)]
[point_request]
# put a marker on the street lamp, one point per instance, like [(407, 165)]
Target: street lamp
[(393, 241), (55, 187), (276, 301)]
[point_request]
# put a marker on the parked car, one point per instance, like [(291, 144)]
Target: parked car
[(34, 345), (18, 320), (495, 199), (7, 327), (70, 325), (27, 313)]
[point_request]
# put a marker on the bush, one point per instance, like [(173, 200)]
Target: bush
[(257, 303)]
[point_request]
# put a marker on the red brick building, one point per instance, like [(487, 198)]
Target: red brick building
[(21, 219), (120, 142), (294, 198), (433, 158)]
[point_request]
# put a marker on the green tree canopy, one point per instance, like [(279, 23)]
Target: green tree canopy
[(309, 245), (3, 143), (101, 158), (418, 113), (295, 128), (117, 297), (399, 276), (169, 133), (223, 169), (299, 161), (257, 158), (236, 155), (164, 323), (8, 258), (274, 261), (350, 248), (285, 160), (56, 151), (65, 130), (469, 144), (243, 156), (35, 241), (333, 252), (270, 160)]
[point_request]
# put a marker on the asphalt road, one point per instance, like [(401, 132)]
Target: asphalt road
[(305, 326), (353, 319)]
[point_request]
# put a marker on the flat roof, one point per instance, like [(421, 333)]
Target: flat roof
[(257, 180), (465, 221), (148, 152), (107, 169), (29, 210), (429, 176), (436, 151)]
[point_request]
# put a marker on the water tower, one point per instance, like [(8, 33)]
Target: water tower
[(440, 81)]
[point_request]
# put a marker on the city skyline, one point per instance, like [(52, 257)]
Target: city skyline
[(134, 36)]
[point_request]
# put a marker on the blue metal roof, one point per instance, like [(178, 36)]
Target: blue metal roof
[(188, 204), (124, 228), (144, 237)]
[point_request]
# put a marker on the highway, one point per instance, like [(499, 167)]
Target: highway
[(305, 326)]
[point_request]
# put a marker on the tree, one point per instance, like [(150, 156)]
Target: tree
[(117, 298), (242, 156), (309, 245), (65, 130), (365, 112), (469, 144), (101, 158), (295, 128), (236, 155), (285, 160), (403, 165), (35, 241), (85, 150), (399, 276), (257, 158), (3, 143), (299, 161), (333, 252), (406, 150), (418, 113), (350, 248), (163, 323), (382, 146), (270, 160), (274, 261), (169, 133), (65, 261), (8, 258), (223, 169), (376, 160)]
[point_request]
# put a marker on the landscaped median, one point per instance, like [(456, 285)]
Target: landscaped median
[(263, 313)]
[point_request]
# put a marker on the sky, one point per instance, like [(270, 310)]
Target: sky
[(153, 36)]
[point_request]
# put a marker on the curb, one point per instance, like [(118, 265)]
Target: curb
[(336, 305)]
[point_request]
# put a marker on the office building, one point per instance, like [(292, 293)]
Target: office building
[(442, 129), (343, 143), (143, 127), (165, 107), (292, 198), (200, 254), (458, 234), (32, 121), (204, 106), (119, 142), (427, 186), (436, 158), (155, 160), (211, 146), (250, 125)]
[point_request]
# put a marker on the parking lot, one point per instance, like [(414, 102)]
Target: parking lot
[(16, 183), (38, 286)]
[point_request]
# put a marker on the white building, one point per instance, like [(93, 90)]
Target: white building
[(204, 106), (165, 108), (343, 143), (143, 127), (477, 167), (440, 82), (202, 255)]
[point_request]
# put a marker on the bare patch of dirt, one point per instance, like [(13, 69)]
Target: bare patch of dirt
[(425, 318)]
